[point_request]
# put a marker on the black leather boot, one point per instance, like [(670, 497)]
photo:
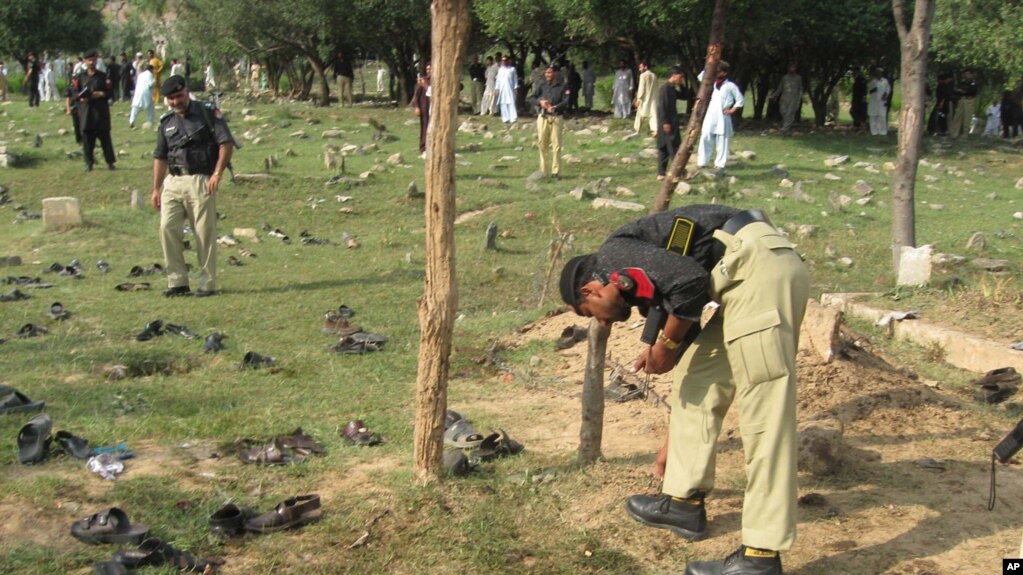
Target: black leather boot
[(686, 519), (745, 561)]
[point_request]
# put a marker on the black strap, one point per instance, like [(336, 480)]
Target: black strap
[(742, 219), (991, 490)]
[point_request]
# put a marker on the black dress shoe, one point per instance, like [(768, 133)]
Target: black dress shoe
[(111, 167), (152, 329), (177, 291), (205, 293), (745, 561), (213, 343), (686, 519)]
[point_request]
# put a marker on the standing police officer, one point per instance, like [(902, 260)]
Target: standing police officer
[(551, 99), (92, 89), (193, 148)]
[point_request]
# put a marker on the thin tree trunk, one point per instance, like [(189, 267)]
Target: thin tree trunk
[(438, 303), (914, 40), (710, 66)]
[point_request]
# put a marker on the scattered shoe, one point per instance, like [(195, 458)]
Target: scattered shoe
[(15, 295), (246, 253), (685, 518), (154, 552), (462, 435), (357, 433), (213, 342), (498, 444), (73, 445), (177, 291), (293, 512), (350, 345), (13, 401), (103, 267), (744, 561), (336, 322), (152, 329), (32, 330), (136, 286), (228, 521), (456, 463), (108, 526), (34, 439), (570, 336), (233, 261), (57, 312), (997, 385), (181, 330), (621, 389), (253, 360)]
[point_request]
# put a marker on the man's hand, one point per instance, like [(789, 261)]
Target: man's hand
[(155, 199), (656, 359), (213, 183), (730, 111)]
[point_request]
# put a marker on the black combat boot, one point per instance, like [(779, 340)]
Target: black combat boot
[(745, 561), (686, 518)]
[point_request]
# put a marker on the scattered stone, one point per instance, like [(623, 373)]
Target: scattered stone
[(491, 236), (786, 183), (290, 153), (1018, 215), (269, 163), (947, 260), (805, 231), (937, 207), (623, 192), (778, 171), (862, 188), (395, 159), (819, 331), (872, 169), (683, 188), (301, 135), (864, 201), (843, 201), (9, 160), (992, 196), (630, 136), (888, 166), (836, 161), (412, 191), (930, 178), (508, 159), (331, 134), (247, 233), (747, 155), (991, 265), (580, 193), (915, 265), (61, 212), (819, 445), (1019, 184), (977, 242), (571, 159), (138, 199), (62, 132), (617, 204), (844, 262), (647, 153)]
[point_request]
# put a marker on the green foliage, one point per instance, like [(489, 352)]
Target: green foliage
[(984, 34), (39, 25)]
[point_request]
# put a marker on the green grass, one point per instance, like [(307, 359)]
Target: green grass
[(274, 305)]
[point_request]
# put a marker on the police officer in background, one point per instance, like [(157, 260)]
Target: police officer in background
[(193, 148), (91, 90), (551, 100)]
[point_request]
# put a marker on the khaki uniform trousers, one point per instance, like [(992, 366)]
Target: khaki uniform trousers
[(184, 198), (746, 352), (962, 117), (344, 90), (548, 132)]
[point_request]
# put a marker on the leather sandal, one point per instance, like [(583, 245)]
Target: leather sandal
[(34, 439), (289, 513), (13, 401), (357, 433), (108, 526)]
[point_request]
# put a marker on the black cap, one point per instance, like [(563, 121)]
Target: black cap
[(173, 85), (89, 54), (676, 70), (577, 273)]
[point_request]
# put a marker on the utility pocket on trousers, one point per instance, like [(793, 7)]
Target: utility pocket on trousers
[(755, 347)]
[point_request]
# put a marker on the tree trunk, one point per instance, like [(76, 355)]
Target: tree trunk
[(710, 66), (437, 305), (320, 69), (591, 429), (914, 41)]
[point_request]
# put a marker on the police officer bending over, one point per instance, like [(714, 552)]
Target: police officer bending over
[(193, 148), (674, 262)]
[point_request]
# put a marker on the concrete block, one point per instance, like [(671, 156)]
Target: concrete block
[(62, 212), (139, 199), (915, 266)]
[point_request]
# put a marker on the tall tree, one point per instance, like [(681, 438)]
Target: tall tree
[(980, 33), (39, 25), (439, 301), (914, 37)]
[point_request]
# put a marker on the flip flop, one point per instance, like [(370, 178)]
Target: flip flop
[(272, 453), (34, 439), (450, 417), (108, 526), (620, 391), (14, 295), (58, 312), (498, 444), (213, 342), (461, 435), (357, 433), (152, 329), (133, 286), (570, 336), (292, 512), (13, 401), (349, 345), (73, 445), (181, 330), (253, 360), (32, 330)]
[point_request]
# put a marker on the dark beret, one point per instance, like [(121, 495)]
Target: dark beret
[(173, 85), (577, 273)]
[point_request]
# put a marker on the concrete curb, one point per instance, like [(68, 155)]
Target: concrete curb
[(961, 350)]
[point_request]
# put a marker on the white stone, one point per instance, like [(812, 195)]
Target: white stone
[(683, 188), (915, 265), (623, 192), (836, 161), (617, 204), (138, 199), (1019, 184), (331, 133), (61, 212), (787, 183), (395, 159), (831, 177)]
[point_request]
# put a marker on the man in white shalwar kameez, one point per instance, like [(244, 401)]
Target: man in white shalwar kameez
[(646, 100), (877, 103), (717, 123), (143, 97), (506, 85), (621, 92)]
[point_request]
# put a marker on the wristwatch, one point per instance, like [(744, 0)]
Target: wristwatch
[(667, 341)]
